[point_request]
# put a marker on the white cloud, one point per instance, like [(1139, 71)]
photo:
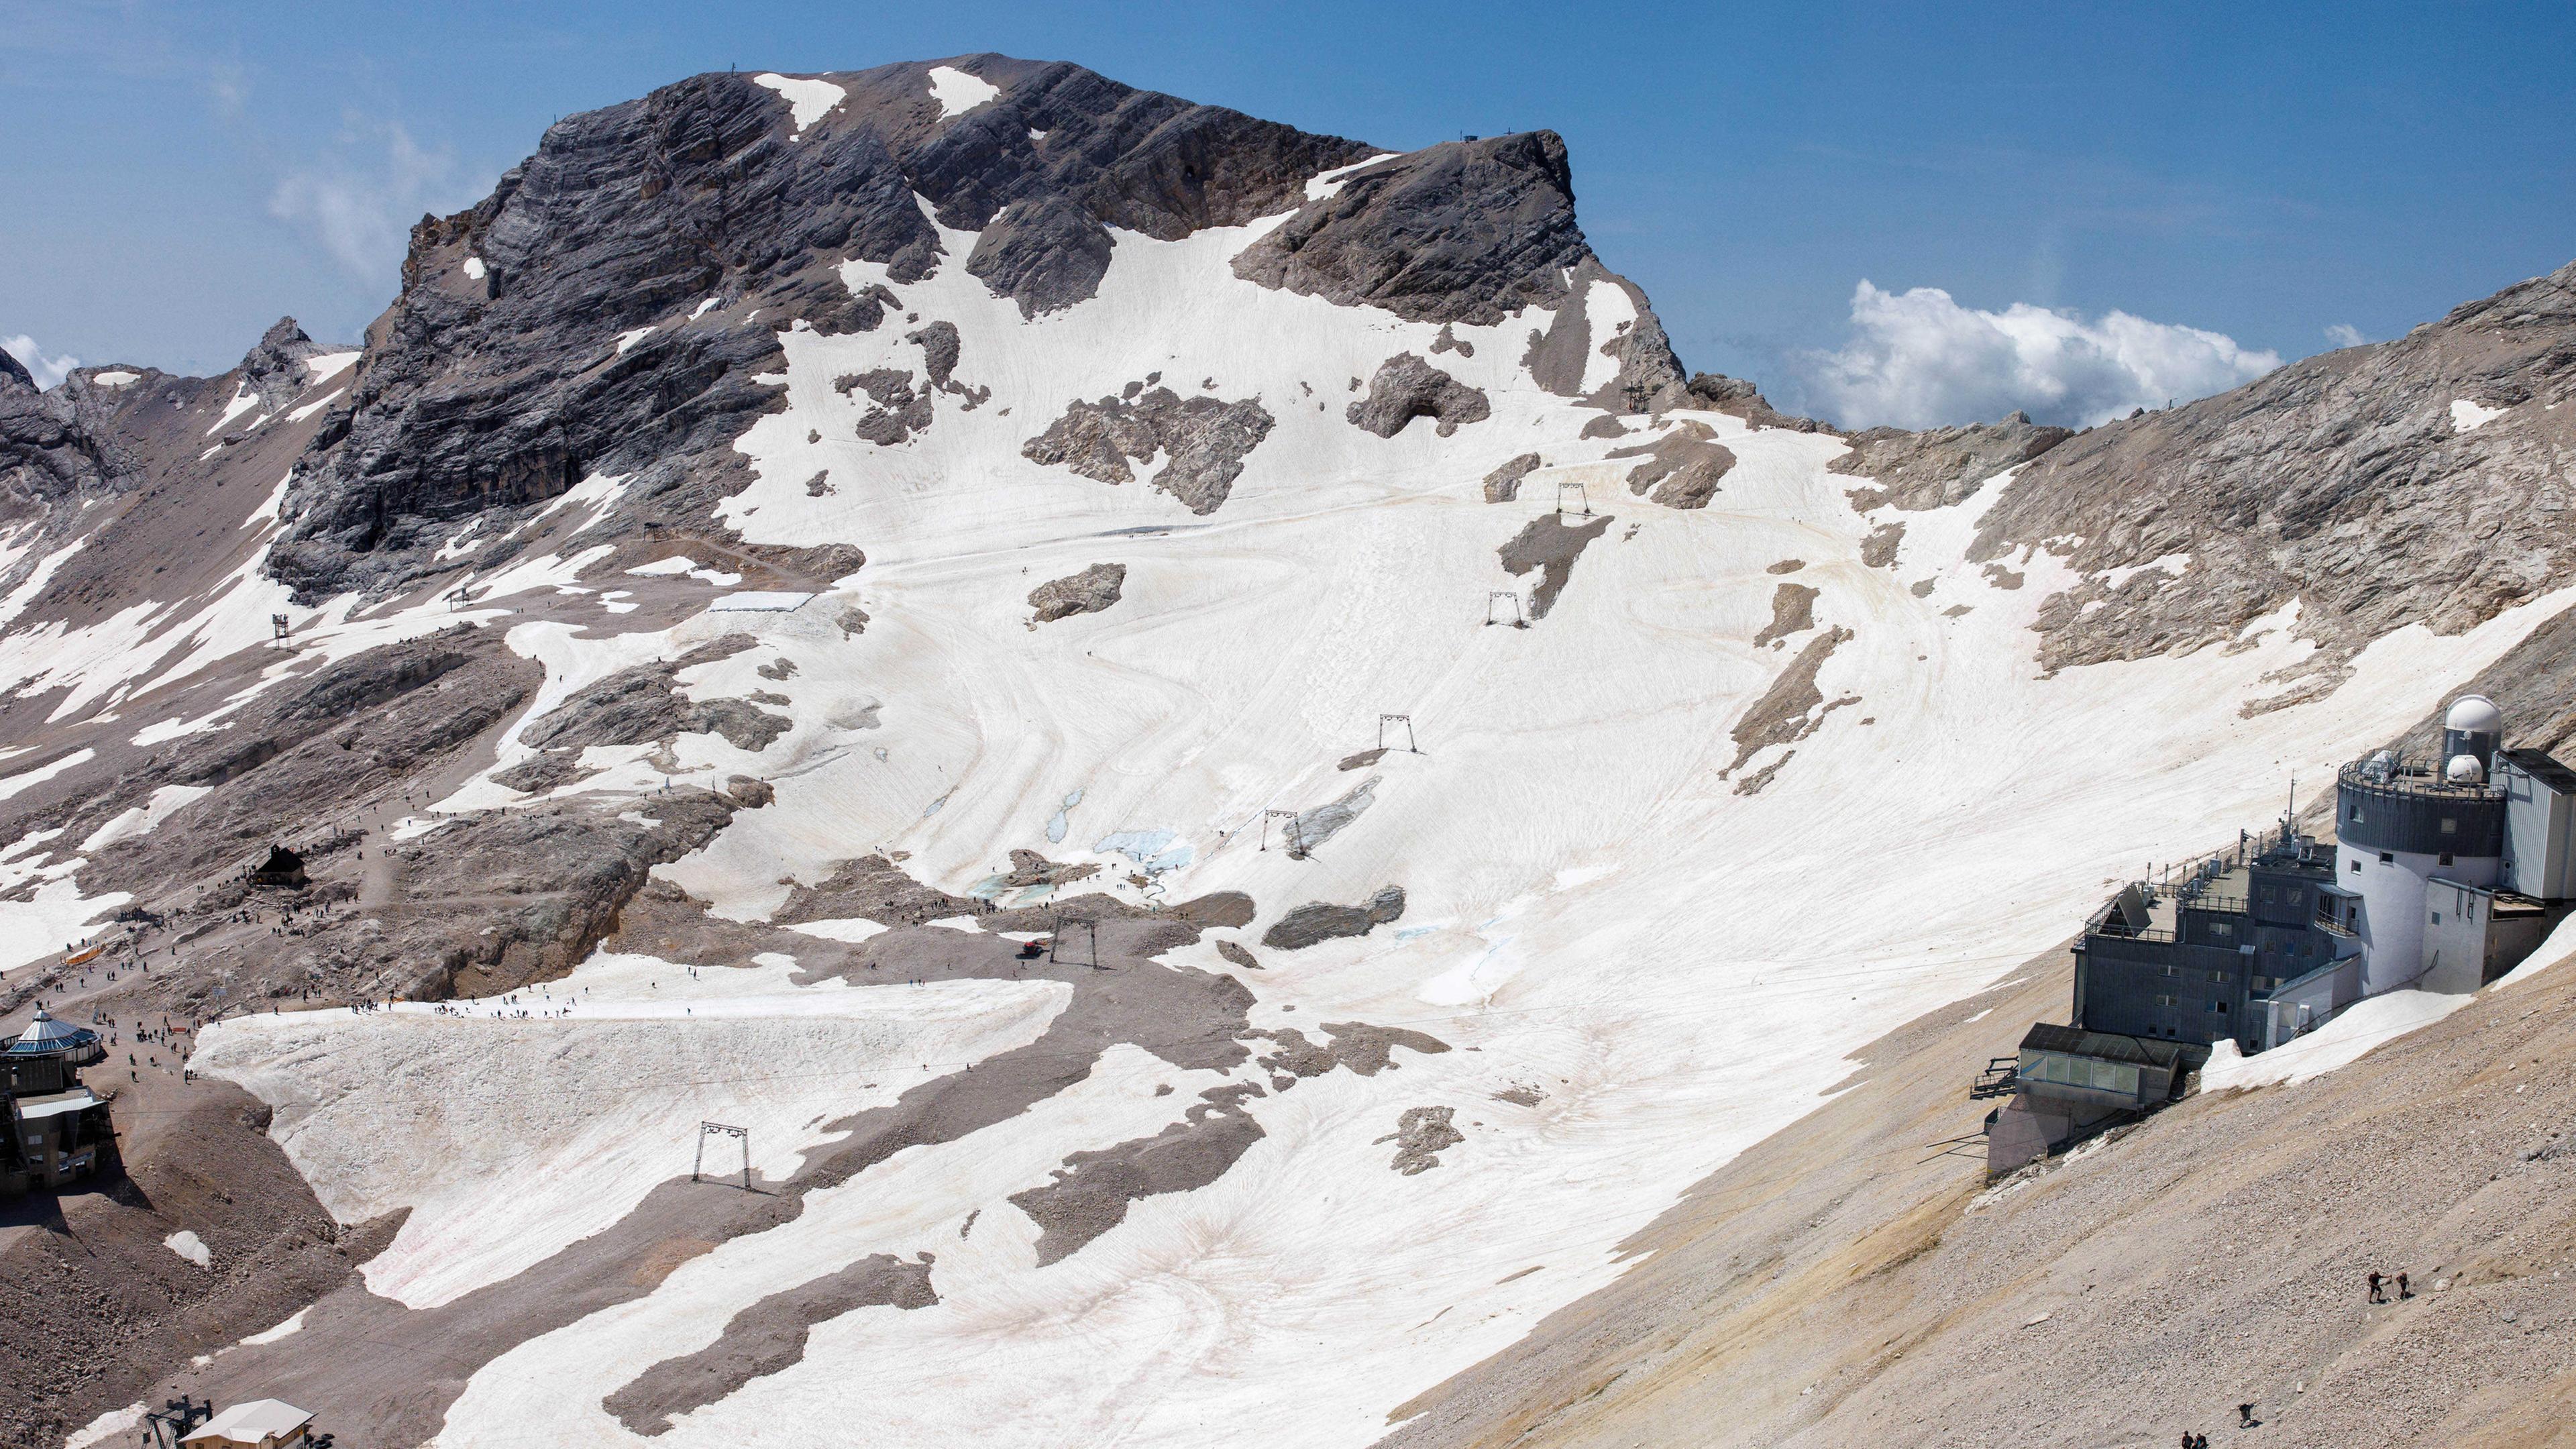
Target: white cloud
[(2344, 334), (47, 370), (358, 204), (1918, 359)]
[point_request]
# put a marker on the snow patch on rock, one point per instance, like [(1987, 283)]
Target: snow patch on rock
[(958, 92), (808, 101), (2468, 417)]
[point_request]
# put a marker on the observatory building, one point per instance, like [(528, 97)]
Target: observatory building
[(2448, 868), (59, 1130), (2445, 872)]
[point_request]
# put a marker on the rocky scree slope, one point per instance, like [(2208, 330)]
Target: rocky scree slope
[(1851, 1282), (2418, 479)]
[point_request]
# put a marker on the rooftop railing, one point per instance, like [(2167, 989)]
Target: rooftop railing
[(2410, 776)]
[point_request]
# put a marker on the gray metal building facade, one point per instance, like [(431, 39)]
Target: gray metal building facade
[(2200, 962)]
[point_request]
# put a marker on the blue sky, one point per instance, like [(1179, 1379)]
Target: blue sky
[(178, 177)]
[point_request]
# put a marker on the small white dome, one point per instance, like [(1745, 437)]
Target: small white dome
[(2474, 714), (2465, 770)]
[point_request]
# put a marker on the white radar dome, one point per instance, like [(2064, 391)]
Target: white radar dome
[(2474, 714), (2465, 769)]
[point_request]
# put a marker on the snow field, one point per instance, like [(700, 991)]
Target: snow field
[(1681, 969), (2366, 1026), (581, 1115), (25, 780), (140, 819), (42, 909), (293, 1323), (2354, 1031), (321, 367), (114, 1424)]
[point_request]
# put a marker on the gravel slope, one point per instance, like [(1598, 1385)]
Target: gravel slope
[(1841, 1284)]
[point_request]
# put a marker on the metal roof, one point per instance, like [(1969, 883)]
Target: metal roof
[(47, 1035), (254, 1422), (2108, 1046), (79, 1099), (2540, 766)]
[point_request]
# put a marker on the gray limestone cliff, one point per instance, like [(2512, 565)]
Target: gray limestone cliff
[(512, 364), (1463, 232), (2423, 479)]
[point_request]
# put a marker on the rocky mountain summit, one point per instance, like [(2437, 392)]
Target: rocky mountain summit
[(534, 341), (50, 447)]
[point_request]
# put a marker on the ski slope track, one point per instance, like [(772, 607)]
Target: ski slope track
[(1743, 791)]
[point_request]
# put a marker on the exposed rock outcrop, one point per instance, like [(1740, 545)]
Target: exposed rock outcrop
[(1789, 711), (1356, 1046), (1318, 921), (898, 411), (1734, 396), (1405, 387), (275, 371), (1088, 592), (1682, 469), (1420, 1136), (1793, 611), (1464, 231), (1915, 471), (642, 705), (1504, 483), (1028, 868), (2313, 484), (1206, 439), (47, 453), (1089, 1195), (1550, 545), (767, 1338), (1045, 253), (1559, 357)]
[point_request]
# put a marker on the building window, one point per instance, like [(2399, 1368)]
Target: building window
[(2450, 826), (2437, 918), (2356, 867), (2387, 859), (2164, 1001), (2218, 1007), (2446, 857), (2221, 928)]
